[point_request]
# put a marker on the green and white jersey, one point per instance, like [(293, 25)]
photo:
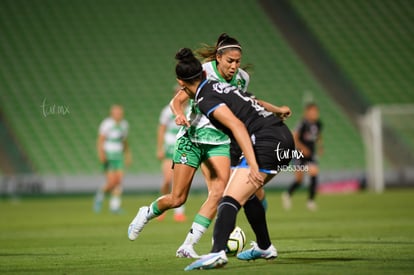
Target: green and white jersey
[(115, 135), (201, 129), (167, 118), (240, 79)]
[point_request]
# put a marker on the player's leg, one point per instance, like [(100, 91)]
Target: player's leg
[(187, 159), (286, 196), (109, 183), (167, 174), (236, 193), (116, 191), (313, 173), (261, 195), (216, 172)]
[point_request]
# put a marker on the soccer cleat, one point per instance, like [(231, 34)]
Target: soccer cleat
[(186, 251), (256, 253), (138, 223), (209, 261), (311, 205), (286, 201)]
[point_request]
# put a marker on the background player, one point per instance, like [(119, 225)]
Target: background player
[(166, 137), (112, 146), (308, 139)]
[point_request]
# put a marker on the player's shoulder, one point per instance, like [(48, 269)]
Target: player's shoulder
[(243, 73), (166, 110), (124, 124), (208, 65), (107, 121)]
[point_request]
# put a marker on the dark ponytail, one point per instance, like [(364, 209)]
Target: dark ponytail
[(188, 67)]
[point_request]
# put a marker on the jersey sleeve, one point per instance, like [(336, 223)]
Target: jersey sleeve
[(104, 127), (125, 129), (209, 102), (299, 127), (244, 75), (165, 115)]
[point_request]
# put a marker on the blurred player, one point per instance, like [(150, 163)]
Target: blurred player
[(167, 135), (112, 149), (308, 139)]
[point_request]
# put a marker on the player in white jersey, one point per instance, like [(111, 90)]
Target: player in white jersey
[(112, 146), (166, 137)]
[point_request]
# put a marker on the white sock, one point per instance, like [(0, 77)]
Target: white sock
[(115, 203), (151, 213), (179, 210), (196, 231)]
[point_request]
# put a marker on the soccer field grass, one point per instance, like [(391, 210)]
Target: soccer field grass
[(360, 233)]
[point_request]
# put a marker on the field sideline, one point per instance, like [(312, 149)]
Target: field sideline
[(360, 233)]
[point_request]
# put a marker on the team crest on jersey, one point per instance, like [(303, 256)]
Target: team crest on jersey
[(183, 158), (223, 88), (241, 83)]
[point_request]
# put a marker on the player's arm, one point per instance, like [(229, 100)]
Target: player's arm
[(160, 141), (177, 107), (283, 111), (127, 152), (226, 117), (319, 144), (300, 146), (100, 148)]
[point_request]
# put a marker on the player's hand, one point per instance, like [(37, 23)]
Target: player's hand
[(284, 112), (128, 159), (255, 177), (182, 120), (306, 152)]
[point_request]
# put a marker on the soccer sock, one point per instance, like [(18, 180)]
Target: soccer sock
[(312, 187), (198, 228), (100, 195), (256, 216), (154, 211), (225, 223), (293, 187), (115, 203), (179, 210), (264, 203)]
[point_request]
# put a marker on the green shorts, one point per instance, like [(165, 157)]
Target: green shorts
[(193, 154), (113, 165)]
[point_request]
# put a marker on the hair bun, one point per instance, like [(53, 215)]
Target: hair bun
[(184, 54), (224, 36)]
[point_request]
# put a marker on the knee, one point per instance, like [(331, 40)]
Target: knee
[(177, 201), (216, 193)]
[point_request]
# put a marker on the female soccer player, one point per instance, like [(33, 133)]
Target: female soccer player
[(261, 136), (308, 139), (199, 142), (166, 137), (222, 64), (112, 148)]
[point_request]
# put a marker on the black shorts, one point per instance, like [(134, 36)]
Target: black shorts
[(274, 148), (235, 154), (307, 160)]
